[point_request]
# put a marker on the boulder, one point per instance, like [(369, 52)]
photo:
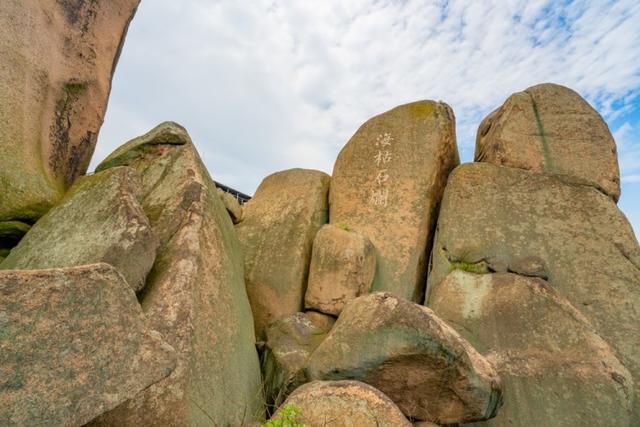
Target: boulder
[(556, 369), (195, 294), (407, 352), (234, 208), (290, 342), (503, 219), (343, 263), (387, 183), (321, 320), (99, 220), (58, 58), (343, 404), (549, 128), (73, 344), (276, 236)]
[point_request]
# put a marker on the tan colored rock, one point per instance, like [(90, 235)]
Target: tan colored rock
[(556, 368), (387, 183), (290, 342), (73, 344), (573, 235), (343, 404), (99, 220), (549, 128), (321, 320), (58, 58), (343, 263), (234, 208), (407, 352), (276, 236), (195, 294)]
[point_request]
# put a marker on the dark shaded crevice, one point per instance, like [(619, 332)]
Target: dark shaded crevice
[(546, 149)]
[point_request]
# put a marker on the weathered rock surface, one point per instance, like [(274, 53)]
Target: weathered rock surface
[(404, 350), (195, 294), (58, 58), (73, 344), (556, 369), (387, 183), (290, 342), (343, 264), (549, 128), (505, 219), (234, 208), (276, 236), (321, 320), (99, 220), (345, 404)]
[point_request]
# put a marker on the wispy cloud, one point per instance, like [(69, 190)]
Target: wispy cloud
[(267, 85)]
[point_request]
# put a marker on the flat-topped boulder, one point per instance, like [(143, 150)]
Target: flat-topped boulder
[(387, 183), (195, 294), (276, 235), (407, 352), (73, 344), (556, 369), (550, 128), (58, 60), (343, 404), (100, 219), (500, 219)]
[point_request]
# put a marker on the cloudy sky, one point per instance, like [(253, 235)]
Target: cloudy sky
[(268, 85)]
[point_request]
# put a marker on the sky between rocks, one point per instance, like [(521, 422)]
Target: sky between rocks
[(268, 85)]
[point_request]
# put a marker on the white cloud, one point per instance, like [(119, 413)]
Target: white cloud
[(267, 85)]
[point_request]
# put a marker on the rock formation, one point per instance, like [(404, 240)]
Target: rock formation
[(73, 344), (555, 367), (99, 220), (195, 295), (276, 236), (343, 265), (58, 58), (410, 355), (387, 183), (344, 404)]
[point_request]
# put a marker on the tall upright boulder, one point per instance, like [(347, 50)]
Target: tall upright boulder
[(73, 344), (387, 184), (276, 236), (58, 58), (195, 294), (99, 220), (549, 128), (501, 219), (556, 369)]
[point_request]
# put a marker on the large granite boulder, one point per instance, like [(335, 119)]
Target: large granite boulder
[(194, 295), (73, 344), (556, 369), (343, 264), (549, 128), (290, 342), (99, 220), (276, 236), (404, 350), (343, 404), (387, 183), (58, 58), (502, 219)]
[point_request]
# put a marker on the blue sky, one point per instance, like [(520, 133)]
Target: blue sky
[(269, 85)]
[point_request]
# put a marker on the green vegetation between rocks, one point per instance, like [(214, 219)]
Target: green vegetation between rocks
[(288, 417), (477, 267)]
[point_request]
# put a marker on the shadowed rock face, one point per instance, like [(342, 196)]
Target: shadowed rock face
[(557, 370), (276, 236), (73, 344), (404, 350), (549, 128), (387, 183), (194, 295), (500, 219), (58, 59), (344, 404), (99, 220)]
